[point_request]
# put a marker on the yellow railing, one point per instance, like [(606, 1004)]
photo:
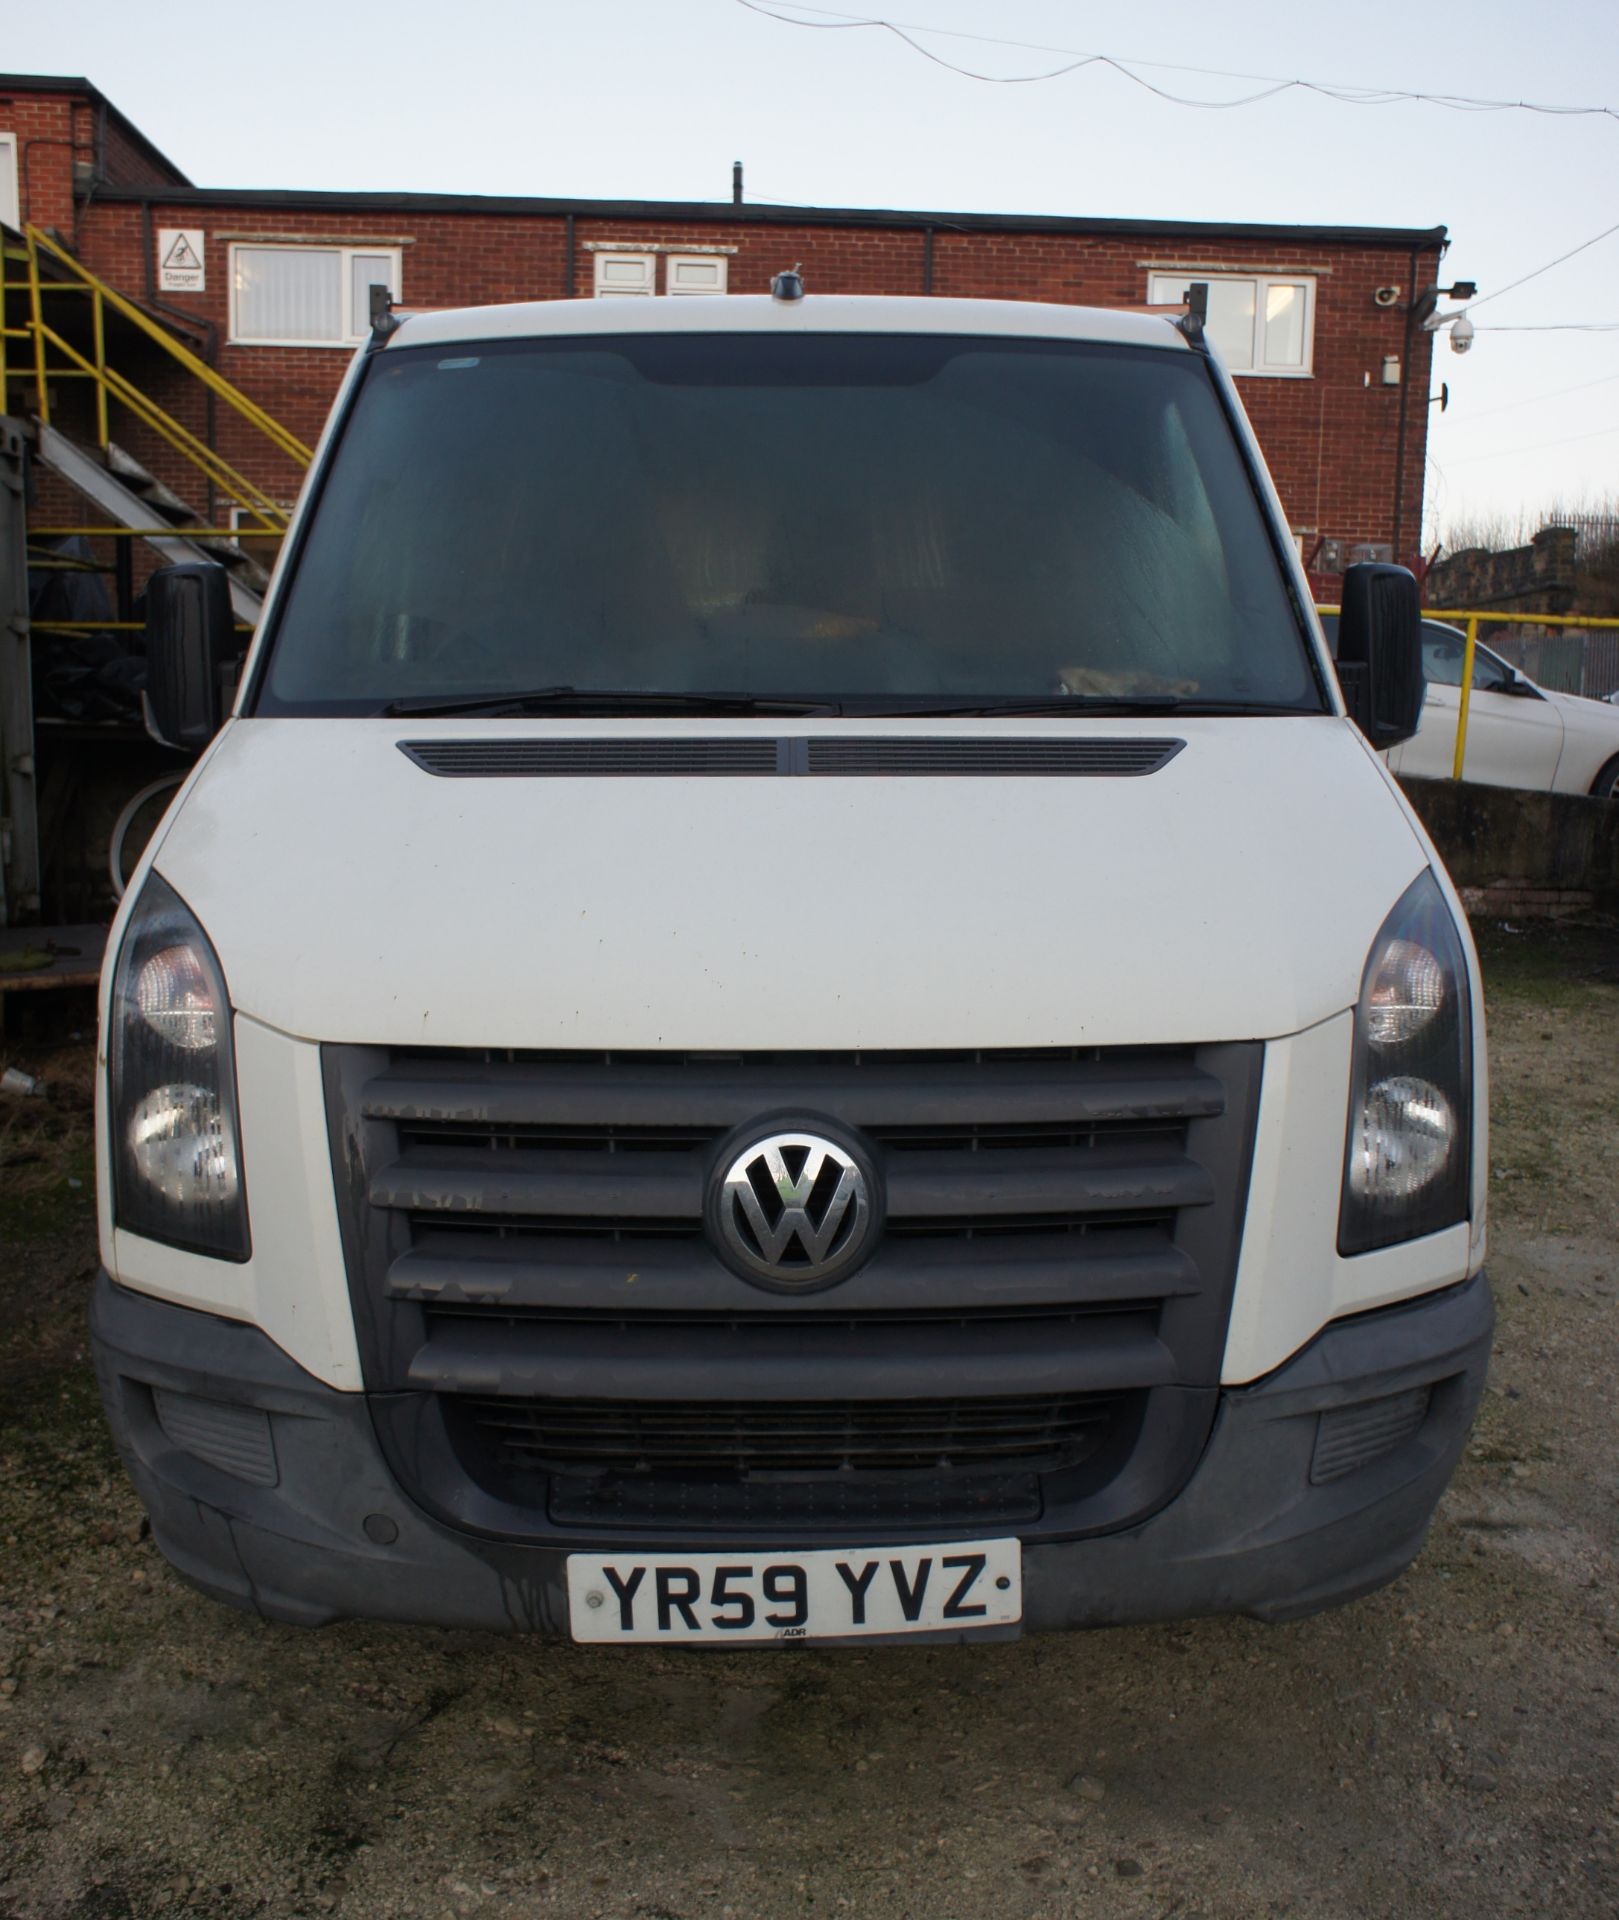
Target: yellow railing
[(111, 385), (1470, 619)]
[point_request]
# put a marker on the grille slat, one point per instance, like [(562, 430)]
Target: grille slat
[(500, 1181), (737, 1361), (927, 1185), (909, 1276), (874, 1092)]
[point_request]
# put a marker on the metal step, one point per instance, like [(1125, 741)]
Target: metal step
[(132, 497)]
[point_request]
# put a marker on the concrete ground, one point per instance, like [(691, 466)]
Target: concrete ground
[(1449, 1746)]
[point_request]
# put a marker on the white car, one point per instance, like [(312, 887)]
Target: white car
[(1518, 734)]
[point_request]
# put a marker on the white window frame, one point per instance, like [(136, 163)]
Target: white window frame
[(1160, 280), (358, 326), (648, 263), (673, 260), (243, 520), (11, 210)]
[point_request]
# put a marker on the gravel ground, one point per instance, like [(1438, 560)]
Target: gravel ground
[(1448, 1746)]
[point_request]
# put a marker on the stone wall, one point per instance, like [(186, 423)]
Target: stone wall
[(1532, 856), (1538, 578)]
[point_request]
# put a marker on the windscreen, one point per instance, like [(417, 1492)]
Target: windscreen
[(860, 519)]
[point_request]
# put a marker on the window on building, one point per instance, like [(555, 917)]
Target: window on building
[(307, 296), (249, 534), (1260, 323), (10, 201), (626, 276), (634, 276), (694, 273)]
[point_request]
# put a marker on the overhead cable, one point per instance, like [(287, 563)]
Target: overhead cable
[(1536, 446), (1269, 85), (1537, 399), (1556, 326), (1538, 271)]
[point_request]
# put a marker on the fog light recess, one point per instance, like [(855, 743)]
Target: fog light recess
[(1350, 1437), (236, 1440)]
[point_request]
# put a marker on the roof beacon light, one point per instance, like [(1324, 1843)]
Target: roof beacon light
[(788, 286)]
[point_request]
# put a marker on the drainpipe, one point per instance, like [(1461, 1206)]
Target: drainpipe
[(1405, 408)]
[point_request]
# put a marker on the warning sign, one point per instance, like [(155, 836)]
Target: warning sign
[(180, 266)]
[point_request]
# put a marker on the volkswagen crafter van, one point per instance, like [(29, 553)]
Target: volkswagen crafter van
[(792, 1005)]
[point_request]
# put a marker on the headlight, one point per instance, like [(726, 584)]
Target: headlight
[(1406, 1165), (176, 1152)]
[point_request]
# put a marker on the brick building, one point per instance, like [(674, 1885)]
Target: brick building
[(1314, 321)]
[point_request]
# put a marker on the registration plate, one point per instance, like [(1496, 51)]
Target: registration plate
[(831, 1593)]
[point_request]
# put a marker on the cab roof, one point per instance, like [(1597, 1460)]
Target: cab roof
[(814, 313)]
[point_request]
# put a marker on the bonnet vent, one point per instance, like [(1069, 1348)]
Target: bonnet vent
[(855, 756), (636, 759)]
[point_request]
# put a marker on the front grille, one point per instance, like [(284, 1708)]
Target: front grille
[(815, 1465), (559, 1436), (537, 1296)]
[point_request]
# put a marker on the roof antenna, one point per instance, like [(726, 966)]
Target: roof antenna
[(1194, 321), (383, 318), (789, 286)]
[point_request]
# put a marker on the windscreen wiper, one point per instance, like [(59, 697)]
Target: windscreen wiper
[(602, 700), (1071, 704)]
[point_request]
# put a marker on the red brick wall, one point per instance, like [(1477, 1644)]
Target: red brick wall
[(126, 163), (52, 129), (1331, 439)]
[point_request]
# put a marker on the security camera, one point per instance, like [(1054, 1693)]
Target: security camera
[(1461, 334)]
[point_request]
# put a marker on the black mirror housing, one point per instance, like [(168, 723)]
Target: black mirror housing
[(190, 637), (1380, 652)]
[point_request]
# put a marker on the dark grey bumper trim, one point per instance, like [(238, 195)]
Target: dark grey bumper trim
[(1249, 1533)]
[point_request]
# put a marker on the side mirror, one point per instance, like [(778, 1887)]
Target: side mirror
[(190, 640), (1380, 653)]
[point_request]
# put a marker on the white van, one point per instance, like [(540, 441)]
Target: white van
[(790, 1006)]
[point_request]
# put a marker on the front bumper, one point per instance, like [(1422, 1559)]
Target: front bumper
[(269, 1490)]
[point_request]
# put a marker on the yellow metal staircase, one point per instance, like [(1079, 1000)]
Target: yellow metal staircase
[(49, 355), (77, 358)]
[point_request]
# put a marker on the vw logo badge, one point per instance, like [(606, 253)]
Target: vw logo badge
[(794, 1211)]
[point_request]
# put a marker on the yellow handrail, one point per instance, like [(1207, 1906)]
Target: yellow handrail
[(37, 321), (1467, 696), (1489, 618), (270, 427), (246, 493), (1521, 619), (1474, 616)]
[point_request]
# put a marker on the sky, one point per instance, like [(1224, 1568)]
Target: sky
[(654, 99)]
